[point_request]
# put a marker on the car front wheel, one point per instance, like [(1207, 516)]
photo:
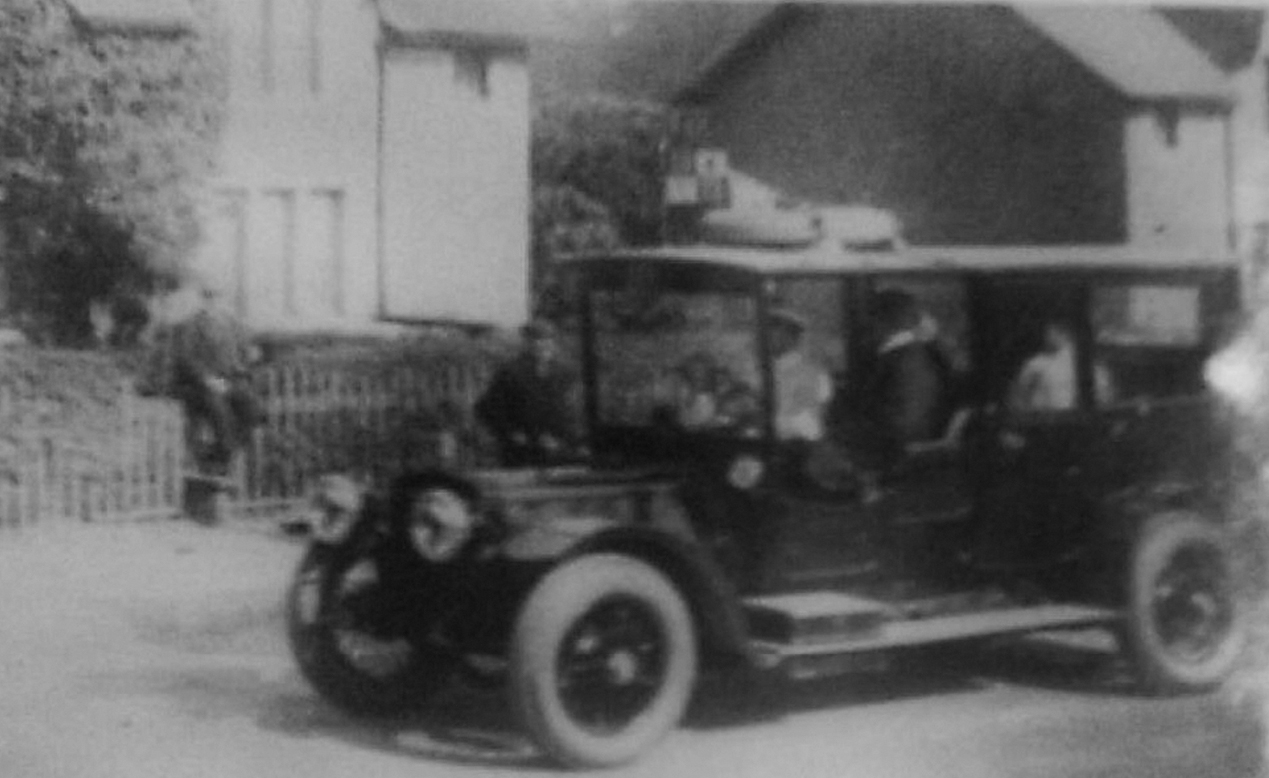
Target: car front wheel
[(1184, 629), (354, 664), (603, 660)]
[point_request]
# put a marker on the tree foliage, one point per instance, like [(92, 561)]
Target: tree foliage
[(105, 137), (596, 160), (597, 181)]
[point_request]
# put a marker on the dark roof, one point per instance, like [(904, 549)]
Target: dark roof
[(484, 22), (666, 49), (162, 17), (644, 50)]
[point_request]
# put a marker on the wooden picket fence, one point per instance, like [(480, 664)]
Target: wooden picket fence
[(370, 418), (78, 444), (85, 454)]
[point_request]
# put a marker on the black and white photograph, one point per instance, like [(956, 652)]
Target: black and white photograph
[(665, 388)]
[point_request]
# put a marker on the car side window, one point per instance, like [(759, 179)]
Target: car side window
[(1151, 337), (819, 302), (684, 358), (1033, 347)]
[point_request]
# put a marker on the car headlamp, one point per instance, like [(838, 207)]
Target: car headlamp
[(441, 523), (334, 506), (1236, 374)]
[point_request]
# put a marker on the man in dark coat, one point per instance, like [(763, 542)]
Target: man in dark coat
[(908, 388), (530, 404), (212, 352)]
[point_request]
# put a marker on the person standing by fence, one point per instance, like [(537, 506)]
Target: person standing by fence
[(211, 352), (530, 406)]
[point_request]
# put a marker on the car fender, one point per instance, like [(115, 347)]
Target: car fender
[(1121, 517), (709, 593), (554, 539), (1126, 510)]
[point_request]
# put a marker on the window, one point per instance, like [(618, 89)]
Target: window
[(290, 45), (268, 43), (225, 240), (313, 44), (1150, 337), (657, 361), (274, 254), (320, 265), (1147, 315), (821, 303), (1033, 346)]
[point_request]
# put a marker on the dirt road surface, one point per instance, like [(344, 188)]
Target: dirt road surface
[(156, 650)]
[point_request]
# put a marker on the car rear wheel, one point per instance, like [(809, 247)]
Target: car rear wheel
[(1184, 629), (603, 660)]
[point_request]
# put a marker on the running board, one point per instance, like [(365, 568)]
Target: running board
[(808, 660)]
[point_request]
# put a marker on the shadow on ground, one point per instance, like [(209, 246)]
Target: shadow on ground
[(469, 727)]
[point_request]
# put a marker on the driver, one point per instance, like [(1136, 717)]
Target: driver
[(530, 404)]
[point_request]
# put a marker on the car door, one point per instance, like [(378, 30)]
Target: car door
[(814, 535), (923, 502), (903, 520), (1038, 435)]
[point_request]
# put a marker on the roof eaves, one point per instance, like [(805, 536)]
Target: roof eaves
[(133, 17), (496, 23), (1134, 50)]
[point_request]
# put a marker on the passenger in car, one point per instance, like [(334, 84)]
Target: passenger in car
[(738, 405), (803, 387), (1049, 379), (908, 388), (695, 394), (905, 399)]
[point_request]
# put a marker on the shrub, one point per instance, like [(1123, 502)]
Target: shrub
[(105, 138)]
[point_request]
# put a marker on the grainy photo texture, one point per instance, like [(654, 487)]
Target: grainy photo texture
[(636, 387)]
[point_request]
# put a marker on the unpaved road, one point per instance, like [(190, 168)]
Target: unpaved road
[(156, 650)]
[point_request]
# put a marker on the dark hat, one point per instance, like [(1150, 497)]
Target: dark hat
[(537, 329)]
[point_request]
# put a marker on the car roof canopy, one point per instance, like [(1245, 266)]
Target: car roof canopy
[(822, 260)]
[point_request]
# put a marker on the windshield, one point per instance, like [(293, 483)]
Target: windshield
[(684, 359)]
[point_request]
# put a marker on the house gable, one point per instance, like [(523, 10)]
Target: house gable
[(1135, 50), (967, 122), (486, 23)]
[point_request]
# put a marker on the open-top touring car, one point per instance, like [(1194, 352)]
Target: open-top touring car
[(596, 592)]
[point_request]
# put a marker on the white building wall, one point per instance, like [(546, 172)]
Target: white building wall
[(1179, 195), (456, 185), (1250, 132), (293, 226), (291, 229)]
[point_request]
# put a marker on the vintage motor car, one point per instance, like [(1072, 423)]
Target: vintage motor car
[(699, 534)]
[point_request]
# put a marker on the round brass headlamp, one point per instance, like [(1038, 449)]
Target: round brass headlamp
[(441, 523)]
